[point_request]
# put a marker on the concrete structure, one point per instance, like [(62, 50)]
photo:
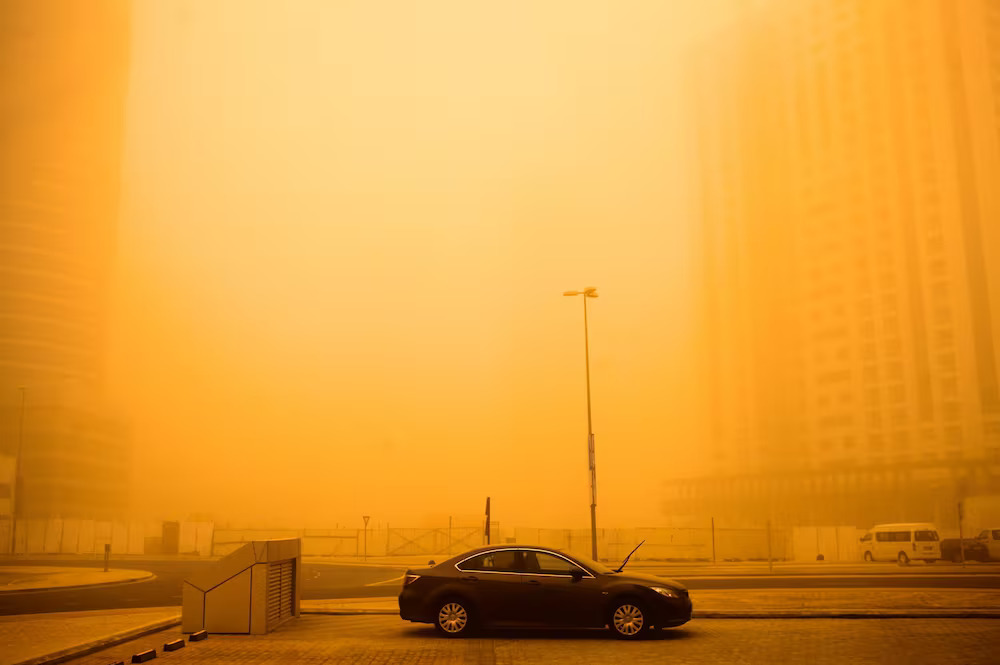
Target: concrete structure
[(252, 590), (850, 158), (61, 127)]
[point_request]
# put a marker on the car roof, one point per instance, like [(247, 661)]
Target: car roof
[(510, 546), (905, 525)]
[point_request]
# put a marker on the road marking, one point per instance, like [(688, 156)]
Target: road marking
[(384, 582)]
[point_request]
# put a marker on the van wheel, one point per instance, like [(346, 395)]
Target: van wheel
[(868, 557), (903, 559)]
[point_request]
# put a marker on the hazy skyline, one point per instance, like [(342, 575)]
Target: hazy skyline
[(345, 233)]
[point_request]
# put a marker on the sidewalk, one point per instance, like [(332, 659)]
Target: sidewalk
[(40, 578), (38, 638)]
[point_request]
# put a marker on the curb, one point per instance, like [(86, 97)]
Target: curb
[(349, 612), (148, 576), (102, 643), (758, 614), (916, 613)]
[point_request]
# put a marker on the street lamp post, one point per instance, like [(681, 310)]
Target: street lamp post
[(589, 292)]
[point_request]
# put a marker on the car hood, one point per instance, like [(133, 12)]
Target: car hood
[(648, 580)]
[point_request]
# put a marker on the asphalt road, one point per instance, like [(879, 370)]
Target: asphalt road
[(322, 581), (318, 581)]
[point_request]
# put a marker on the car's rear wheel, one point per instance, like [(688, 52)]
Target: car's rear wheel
[(628, 620), (902, 559), (454, 618), (868, 557)]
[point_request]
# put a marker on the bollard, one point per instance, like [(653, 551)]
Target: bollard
[(143, 656), (107, 555)]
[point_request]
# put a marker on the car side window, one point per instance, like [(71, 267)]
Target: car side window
[(866, 538), (984, 534), (996, 534), (504, 561), (549, 564)]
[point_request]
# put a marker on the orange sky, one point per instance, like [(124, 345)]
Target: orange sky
[(345, 232)]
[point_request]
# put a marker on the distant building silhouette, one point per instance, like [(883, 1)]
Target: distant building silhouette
[(850, 161), (64, 76)]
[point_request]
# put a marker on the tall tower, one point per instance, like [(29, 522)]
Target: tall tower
[(850, 152), (62, 93)]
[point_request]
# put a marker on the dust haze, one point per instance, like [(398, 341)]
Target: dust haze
[(345, 235), (343, 231)]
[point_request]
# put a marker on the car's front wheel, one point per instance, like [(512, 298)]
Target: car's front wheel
[(628, 620), (454, 618), (902, 559), (868, 557)]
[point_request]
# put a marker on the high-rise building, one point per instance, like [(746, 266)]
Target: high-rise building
[(850, 155), (63, 76)]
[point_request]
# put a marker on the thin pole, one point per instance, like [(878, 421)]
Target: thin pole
[(713, 540), (17, 475), (961, 540), (770, 564), (591, 451)]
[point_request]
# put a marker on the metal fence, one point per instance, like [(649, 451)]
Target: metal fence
[(67, 536), (79, 536)]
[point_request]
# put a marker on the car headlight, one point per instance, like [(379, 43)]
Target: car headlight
[(663, 591)]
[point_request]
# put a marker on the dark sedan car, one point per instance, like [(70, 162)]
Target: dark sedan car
[(516, 585)]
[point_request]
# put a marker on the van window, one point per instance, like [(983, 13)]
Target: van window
[(893, 536), (996, 534), (866, 538), (925, 536)]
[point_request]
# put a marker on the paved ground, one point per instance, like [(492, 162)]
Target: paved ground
[(28, 636), (375, 640), (33, 635)]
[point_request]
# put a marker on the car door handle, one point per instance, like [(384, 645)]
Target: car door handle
[(469, 578), (535, 582)]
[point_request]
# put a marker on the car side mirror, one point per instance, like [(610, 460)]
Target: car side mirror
[(577, 575), (431, 563)]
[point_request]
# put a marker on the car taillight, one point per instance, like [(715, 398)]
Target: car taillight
[(410, 578)]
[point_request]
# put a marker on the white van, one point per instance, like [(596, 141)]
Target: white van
[(901, 543)]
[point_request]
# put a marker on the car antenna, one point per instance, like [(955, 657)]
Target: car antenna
[(621, 567)]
